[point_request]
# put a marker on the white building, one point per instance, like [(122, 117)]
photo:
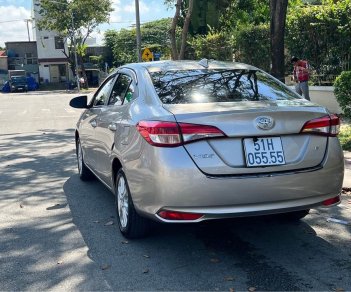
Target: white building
[(53, 64)]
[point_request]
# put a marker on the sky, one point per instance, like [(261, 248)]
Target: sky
[(13, 14)]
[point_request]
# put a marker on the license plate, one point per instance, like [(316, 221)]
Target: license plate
[(264, 151)]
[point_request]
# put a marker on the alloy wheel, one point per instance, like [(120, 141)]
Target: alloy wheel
[(80, 158), (122, 202)]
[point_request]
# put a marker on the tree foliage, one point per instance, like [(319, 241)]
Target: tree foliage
[(240, 13), (343, 92), (122, 44), (251, 45), (214, 45), (73, 20), (322, 35)]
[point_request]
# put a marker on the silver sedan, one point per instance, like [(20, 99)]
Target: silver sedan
[(186, 141)]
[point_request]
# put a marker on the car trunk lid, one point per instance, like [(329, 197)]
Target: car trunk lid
[(240, 121)]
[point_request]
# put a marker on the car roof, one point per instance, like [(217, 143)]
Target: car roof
[(159, 66)]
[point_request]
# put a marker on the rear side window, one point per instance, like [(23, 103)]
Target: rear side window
[(214, 85), (120, 90)]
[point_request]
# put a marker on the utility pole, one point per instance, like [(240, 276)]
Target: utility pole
[(27, 21), (75, 52), (138, 34)]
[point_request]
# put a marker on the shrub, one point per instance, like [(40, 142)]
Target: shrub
[(214, 45), (342, 90), (251, 45)]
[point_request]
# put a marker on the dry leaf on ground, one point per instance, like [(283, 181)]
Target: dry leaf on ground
[(109, 223)]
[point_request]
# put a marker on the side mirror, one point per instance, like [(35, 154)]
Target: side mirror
[(79, 102)]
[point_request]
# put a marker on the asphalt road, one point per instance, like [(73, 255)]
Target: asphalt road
[(56, 232)]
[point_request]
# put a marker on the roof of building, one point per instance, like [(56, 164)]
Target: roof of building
[(2, 53)]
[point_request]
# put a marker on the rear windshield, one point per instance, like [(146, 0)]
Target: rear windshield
[(206, 86)]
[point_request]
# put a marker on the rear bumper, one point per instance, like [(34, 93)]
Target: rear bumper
[(168, 179)]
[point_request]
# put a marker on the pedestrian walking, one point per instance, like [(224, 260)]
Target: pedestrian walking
[(301, 76)]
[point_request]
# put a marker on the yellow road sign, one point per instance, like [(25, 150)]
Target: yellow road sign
[(147, 55)]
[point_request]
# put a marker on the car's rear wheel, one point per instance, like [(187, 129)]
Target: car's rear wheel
[(294, 216), (84, 171), (131, 224)]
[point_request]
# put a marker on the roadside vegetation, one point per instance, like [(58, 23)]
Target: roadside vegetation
[(345, 136)]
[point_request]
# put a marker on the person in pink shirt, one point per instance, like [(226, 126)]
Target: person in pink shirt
[(301, 76)]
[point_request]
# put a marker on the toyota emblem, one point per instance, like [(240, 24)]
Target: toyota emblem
[(264, 122)]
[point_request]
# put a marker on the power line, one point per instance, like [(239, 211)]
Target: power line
[(15, 20)]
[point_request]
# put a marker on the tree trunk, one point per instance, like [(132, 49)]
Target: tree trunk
[(186, 29), (173, 31), (84, 73), (278, 10)]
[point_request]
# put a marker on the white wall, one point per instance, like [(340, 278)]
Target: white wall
[(324, 95), (44, 73), (46, 45), (46, 40)]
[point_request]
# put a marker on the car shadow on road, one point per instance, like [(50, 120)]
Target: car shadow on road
[(40, 248), (261, 252)]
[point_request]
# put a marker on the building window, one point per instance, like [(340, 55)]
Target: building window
[(59, 44), (30, 59)]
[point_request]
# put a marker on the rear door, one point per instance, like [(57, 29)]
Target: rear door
[(108, 128)]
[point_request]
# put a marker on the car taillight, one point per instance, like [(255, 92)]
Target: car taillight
[(159, 133), (172, 134), (327, 126)]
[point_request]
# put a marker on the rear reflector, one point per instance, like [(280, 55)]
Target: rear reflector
[(326, 126), (331, 201), (172, 215), (172, 134)]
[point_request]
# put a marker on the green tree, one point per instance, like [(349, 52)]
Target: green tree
[(241, 13), (155, 36), (342, 92), (213, 45), (187, 9), (74, 20), (251, 45), (122, 44), (322, 35)]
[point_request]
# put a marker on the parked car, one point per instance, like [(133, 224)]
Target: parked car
[(18, 83), (186, 141)]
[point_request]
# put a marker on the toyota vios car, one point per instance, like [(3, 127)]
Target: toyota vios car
[(186, 141)]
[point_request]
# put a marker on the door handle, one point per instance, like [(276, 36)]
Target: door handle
[(112, 127), (93, 123)]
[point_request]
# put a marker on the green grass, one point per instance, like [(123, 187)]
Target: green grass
[(345, 137)]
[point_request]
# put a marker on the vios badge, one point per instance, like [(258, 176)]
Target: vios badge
[(264, 122)]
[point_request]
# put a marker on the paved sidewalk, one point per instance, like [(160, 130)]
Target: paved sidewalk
[(347, 175)]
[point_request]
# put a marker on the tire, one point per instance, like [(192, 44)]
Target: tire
[(130, 223), (294, 216), (84, 172)]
